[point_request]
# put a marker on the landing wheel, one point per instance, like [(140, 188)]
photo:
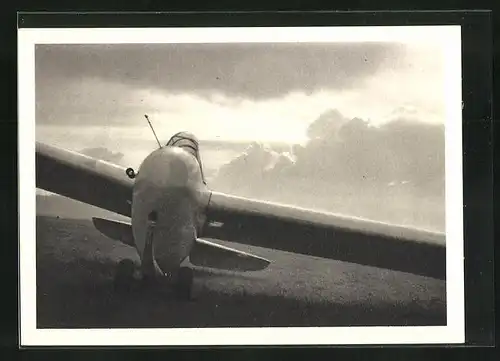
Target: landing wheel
[(124, 276), (184, 284)]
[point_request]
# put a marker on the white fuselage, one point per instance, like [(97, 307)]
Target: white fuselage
[(169, 182)]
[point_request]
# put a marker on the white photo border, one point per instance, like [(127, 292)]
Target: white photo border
[(454, 332)]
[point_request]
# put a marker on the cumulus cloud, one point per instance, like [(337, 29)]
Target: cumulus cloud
[(353, 161), (354, 149)]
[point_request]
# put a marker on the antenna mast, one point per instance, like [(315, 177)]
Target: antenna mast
[(154, 133)]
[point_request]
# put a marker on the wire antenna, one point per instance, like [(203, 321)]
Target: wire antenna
[(154, 133)]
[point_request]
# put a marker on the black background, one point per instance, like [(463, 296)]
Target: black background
[(478, 135)]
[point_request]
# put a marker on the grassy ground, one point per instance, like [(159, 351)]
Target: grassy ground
[(75, 266)]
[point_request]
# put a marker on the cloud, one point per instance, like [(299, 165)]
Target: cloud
[(247, 70), (327, 125), (356, 150), (352, 166)]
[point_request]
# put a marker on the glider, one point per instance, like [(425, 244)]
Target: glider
[(174, 216)]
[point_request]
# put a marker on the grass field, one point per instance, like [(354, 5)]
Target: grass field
[(75, 266)]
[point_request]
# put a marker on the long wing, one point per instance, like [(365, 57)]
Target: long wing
[(318, 234), (83, 178)]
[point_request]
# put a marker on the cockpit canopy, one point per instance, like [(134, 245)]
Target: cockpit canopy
[(190, 144)]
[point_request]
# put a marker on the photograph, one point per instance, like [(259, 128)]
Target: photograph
[(241, 186)]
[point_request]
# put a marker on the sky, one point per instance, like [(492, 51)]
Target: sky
[(96, 95)]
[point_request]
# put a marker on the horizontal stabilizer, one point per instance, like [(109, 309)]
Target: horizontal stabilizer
[(116, 230), (213, 255)]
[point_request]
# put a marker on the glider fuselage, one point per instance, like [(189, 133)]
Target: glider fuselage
[(170, 185)]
